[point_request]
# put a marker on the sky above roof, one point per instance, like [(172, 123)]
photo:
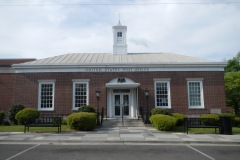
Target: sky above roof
[(208, 29)]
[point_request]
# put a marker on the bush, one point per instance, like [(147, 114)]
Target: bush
[(163, 122), (6, 123), (231, 115), (2, 116), (159, 111), (64, 122), (215, 116), (82, 121), (27, 115), (180, 118), (87, 108), (13, 111), (237, 121)]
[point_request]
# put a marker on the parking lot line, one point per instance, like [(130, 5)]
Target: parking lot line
[(201, 153), (22, 152)]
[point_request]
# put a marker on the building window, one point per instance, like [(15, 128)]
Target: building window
[(80, 94), (119, 34), (162, 94), (119, 37), (195, 94), (46, 95)]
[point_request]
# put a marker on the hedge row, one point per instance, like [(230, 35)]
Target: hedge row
[(235, 120), (165, 121)]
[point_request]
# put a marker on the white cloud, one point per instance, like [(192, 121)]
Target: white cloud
[(205, 31)]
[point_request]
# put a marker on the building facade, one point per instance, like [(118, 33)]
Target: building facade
[(60, 85)]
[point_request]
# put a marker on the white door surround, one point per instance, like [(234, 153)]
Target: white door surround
[(122, 98)]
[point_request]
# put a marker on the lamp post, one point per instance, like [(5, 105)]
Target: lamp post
[(146, 92), (98, 98)]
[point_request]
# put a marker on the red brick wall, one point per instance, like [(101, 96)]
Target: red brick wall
[(7, 91), (213, 86), (7, 82)]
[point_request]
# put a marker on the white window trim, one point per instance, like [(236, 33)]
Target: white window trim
[(168, 89), (79, 82), (201, 91), (40, 82)]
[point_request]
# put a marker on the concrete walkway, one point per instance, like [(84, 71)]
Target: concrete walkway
[(118, 135)]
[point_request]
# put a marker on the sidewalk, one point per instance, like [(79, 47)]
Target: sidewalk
[(119, 135)]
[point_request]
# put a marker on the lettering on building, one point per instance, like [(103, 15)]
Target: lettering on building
[(118, 69)]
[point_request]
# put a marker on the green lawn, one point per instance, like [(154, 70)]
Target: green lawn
[(65, 128), (20, 128)]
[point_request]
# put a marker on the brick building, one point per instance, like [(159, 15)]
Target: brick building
[(59, 85), (7, 82)]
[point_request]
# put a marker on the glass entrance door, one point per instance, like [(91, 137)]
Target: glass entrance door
[(121, 104)]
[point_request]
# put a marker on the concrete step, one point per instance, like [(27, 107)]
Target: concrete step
[(110, 122)]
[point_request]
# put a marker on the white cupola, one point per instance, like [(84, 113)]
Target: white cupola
[(119, 39)]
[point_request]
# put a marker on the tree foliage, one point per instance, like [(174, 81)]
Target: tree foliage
[(232, 83), (233, 64), (232, 88)]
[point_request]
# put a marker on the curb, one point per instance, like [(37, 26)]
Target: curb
[(118, 142)]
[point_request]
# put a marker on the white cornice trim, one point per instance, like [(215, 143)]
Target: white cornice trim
[(121, 67)]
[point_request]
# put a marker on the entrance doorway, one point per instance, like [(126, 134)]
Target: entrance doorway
[(122, 98), (121, 104)]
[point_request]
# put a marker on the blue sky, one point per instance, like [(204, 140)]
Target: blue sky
[(208, 29)]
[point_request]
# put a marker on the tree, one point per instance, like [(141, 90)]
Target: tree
[(232, 88), (233, 64)]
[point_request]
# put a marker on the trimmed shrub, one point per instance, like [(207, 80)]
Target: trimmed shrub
[(13, 111), (180, 118), (2, 116), (163, 122), (82, 121), (87, 108), (159, 111), (215, 116), (27, 115), (237, 121), (231, 115)]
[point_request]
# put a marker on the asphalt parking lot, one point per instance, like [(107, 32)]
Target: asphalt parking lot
[(118, 152)]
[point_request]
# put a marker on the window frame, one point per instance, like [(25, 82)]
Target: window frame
[(40, 83), (200, 81), (167, 81), (119, 36), (74, 92)]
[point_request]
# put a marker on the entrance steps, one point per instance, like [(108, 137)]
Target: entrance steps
[(117, 122)]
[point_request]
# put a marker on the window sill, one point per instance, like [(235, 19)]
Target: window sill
[(163, 107)]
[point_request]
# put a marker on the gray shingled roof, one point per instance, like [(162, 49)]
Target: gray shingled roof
[(104, 58)]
